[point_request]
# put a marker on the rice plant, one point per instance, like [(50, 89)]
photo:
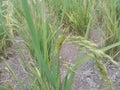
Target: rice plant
[(76, 14), (107, 14), (41, 36), (4, 41)]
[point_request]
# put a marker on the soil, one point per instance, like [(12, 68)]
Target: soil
[(87, 76), (14, 61)]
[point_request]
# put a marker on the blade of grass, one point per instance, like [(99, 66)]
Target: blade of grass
[(88, 29), (110, 46)]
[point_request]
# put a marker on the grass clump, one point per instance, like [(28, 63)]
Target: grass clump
[(111, 21), (76, 14), (2, 33), (106, 18), (4, 40)]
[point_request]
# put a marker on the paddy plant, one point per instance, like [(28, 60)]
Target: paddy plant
[(110, 16), (43, 41), (76, 14), (2, 33), (4, 40)]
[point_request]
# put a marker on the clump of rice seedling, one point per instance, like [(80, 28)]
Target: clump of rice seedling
[(2, 33), (4, 41), (75, 14), (110, 20), (41, 44), (79, 15)]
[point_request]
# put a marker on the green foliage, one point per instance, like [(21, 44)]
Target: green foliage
[(5, 21), (2, 32), (41, 36), (75, 13), (41, 43), (2, 88), (108, 17)]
